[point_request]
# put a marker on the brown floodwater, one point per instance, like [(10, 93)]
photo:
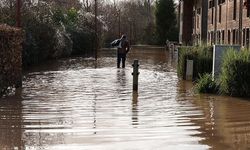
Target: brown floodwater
[(81, 104)]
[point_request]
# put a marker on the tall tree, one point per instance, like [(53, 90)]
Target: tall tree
[(166, 22), (65, 3)]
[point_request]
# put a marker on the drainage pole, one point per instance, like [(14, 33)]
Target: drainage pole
[(135, 75)]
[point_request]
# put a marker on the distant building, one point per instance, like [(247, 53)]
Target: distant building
[(214, 22)]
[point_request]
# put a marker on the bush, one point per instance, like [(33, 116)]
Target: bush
[(46, 36), (75, 25), (205, 84), (10, 58), (235, 74), (39, 42), (44, 41), (202, 57), (83, 41), (52, 31)]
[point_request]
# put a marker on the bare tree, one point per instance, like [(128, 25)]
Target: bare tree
[(86, 5), (65, 3)]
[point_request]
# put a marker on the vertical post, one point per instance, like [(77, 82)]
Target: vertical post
[(135, 75), (189, 69), (135, 108), (96, 31), (18, 13)]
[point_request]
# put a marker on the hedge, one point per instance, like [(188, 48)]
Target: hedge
[(201, 56), (234, 79), (10, 58)]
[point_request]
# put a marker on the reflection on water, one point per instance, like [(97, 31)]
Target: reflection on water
[(11, 124), (135, 109), (82, 104)]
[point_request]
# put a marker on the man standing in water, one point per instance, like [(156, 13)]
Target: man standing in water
[(122, 51)]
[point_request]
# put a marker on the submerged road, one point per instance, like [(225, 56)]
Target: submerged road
[(81, 104)]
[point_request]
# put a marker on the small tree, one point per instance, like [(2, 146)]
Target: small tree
[(166, 24)]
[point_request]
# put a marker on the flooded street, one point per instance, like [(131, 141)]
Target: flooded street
[(81, 104)]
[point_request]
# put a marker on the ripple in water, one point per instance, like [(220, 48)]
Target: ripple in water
[(82, 104)]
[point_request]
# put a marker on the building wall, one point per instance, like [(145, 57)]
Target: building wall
[(197, 22), (223, 28), (226, 24), (185, 34)]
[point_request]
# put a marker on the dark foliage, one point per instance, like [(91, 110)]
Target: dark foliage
[(166, 24)]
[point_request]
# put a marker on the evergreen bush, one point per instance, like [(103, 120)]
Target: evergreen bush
[(83, 41), (235, 75)]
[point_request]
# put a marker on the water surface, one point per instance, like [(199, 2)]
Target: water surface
[(79, 103)]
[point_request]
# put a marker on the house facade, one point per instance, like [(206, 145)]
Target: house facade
[(215, 22)]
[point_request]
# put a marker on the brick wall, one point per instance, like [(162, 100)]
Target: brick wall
[(227, 26), (186, 21), (197, 22), (10, 58)]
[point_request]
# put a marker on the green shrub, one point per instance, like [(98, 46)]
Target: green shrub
[(83, 41), (44, 41), (202, 57), (235, 74), (39, 42), (205, 84), (53, 32)]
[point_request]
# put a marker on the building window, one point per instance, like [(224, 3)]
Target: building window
[(237, 36), (235, 8), (219, 37), (211, 3), (247, 5), (199, 11), (199, 41), (220, 9), (221, 1), (212, 37), (247, 37), (208, 37), (229, 37), (198, 22), (194, 21), (248, 11), (244, 37), (234, 36), (223, 37), (212, 21)]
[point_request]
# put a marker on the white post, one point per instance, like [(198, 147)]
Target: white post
[(189, 69)]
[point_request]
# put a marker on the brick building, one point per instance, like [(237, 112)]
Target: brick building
[(215, 22)]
